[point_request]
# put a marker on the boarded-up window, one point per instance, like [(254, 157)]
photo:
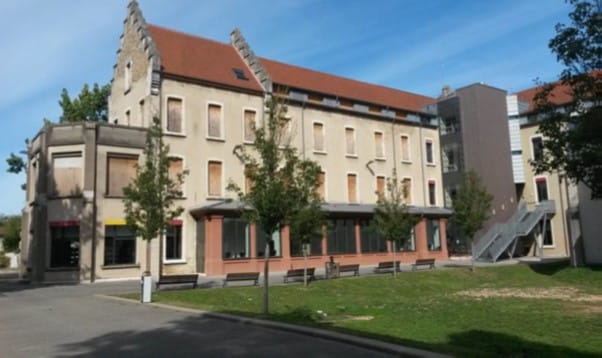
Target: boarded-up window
[(215, 121), (318, 137), (380, 187), (67, 174), (174, 115), (121, 172), (176, 167), (405, 148), (350, 141), (407, 190), (249, 118), (321, 185), (352, 188), (249, 171), (379, 145), (215, 178), (285, 130)]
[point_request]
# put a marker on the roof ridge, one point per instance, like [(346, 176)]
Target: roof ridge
[(189, 35)]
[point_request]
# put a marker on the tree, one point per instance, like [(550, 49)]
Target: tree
[(472, 206), (392, 219), (307, 224), (283, 185), (149, 199), (573, 132), (12, 233), (89, 105)]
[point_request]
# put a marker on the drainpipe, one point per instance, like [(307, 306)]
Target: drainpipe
[(94, 206), (163, 233), (422, 164), (564, 225), (303, 129), (393, 142)]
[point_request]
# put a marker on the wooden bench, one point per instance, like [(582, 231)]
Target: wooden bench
[(429, 263), (298, 273), (355, 268), (242, 276), (387, 266), (177, 280)]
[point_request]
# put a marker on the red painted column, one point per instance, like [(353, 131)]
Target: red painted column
[(358, 237), (443, 235), (421, 244), (253, 240), (285, 241), (213, 245), (325, 240)]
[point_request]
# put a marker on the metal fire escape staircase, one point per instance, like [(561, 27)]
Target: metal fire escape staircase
[(503, 237)]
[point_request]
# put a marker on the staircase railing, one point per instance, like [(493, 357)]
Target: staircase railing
[(494, 234)]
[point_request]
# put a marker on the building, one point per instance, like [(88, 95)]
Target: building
[(473, 127), (208, 96)]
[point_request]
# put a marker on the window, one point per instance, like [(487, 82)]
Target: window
[(433, 235), (450, 160), (449, 125), (341, 236), (380, 187), (67, 174), (173, 241), (64, 245), (430, 159), (541, 187), (176, 168), (240, 74), (319, 137), (407, 190), (352, 188), (214, 123), (537, 146), (322, 185), (121, 172), (215, 178), (548, 239), (127, 76), (371, 241), (236, 239), (274, 243), (250, 117), (174, 115), (405, 149), (120, 245), (410, 244), (315, 244), (285, 130), (379, 145), (350, 141), (432, 193)]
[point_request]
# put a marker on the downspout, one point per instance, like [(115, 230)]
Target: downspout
[(422, 164), (393, 142), (161, 237), (303, 129), (564, 221), (94, 206)]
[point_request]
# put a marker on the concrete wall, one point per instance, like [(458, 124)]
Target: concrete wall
[(590, 212)]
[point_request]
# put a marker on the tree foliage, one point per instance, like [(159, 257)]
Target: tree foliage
[(392, 219), (284, 186), (16, 164), (149, 200), (472, 206), (12, 232), (573, 132), (91, 105)]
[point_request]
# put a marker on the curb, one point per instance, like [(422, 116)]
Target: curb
[(363, 342)]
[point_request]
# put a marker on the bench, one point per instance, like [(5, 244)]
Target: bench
[(355, 268), (298, 273), (242, 276), (387, 266), (177, 280), (429, 263)]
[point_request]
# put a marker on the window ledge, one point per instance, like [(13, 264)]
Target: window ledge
[(120, 266), (57, 197), (549, 246), (435, 250), (214, 198), (431, 164), (320, 152), (380, 159), (354, 156), (248, 142), (108, 196), (62, 269), (174, 262), (174, 134), (237, 259), (216, 139), (406, 162)]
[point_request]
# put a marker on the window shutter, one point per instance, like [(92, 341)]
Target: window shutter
[(380, 187), (215, 178), (350, 140), (407, 190), (378, 141), (215, 112), (174, 115), (121, 172), (352, 188), (249, 125), (405, 148), (321, 183), (67, 175), (319, 137)]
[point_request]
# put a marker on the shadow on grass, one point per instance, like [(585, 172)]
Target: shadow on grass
[(554, 267), (467, 343)]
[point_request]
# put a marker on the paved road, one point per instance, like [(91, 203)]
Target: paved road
[(50, 321)]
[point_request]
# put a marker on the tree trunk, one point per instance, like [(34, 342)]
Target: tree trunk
[(304, 267), (394, 264), (266, 270), (147, 272)]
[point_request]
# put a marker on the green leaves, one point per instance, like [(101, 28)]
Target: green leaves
[(12, 232), (16, 164), (91, 105), (472, 205)]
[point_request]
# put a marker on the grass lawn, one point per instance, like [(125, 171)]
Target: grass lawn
[(518, 310)]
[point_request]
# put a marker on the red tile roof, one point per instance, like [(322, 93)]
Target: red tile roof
[(199, 58), (294, 76), (560, 95)]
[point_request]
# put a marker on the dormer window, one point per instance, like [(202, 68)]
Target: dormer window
[(240, 74)]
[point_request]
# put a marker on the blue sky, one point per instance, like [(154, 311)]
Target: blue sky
[(417, 46)]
